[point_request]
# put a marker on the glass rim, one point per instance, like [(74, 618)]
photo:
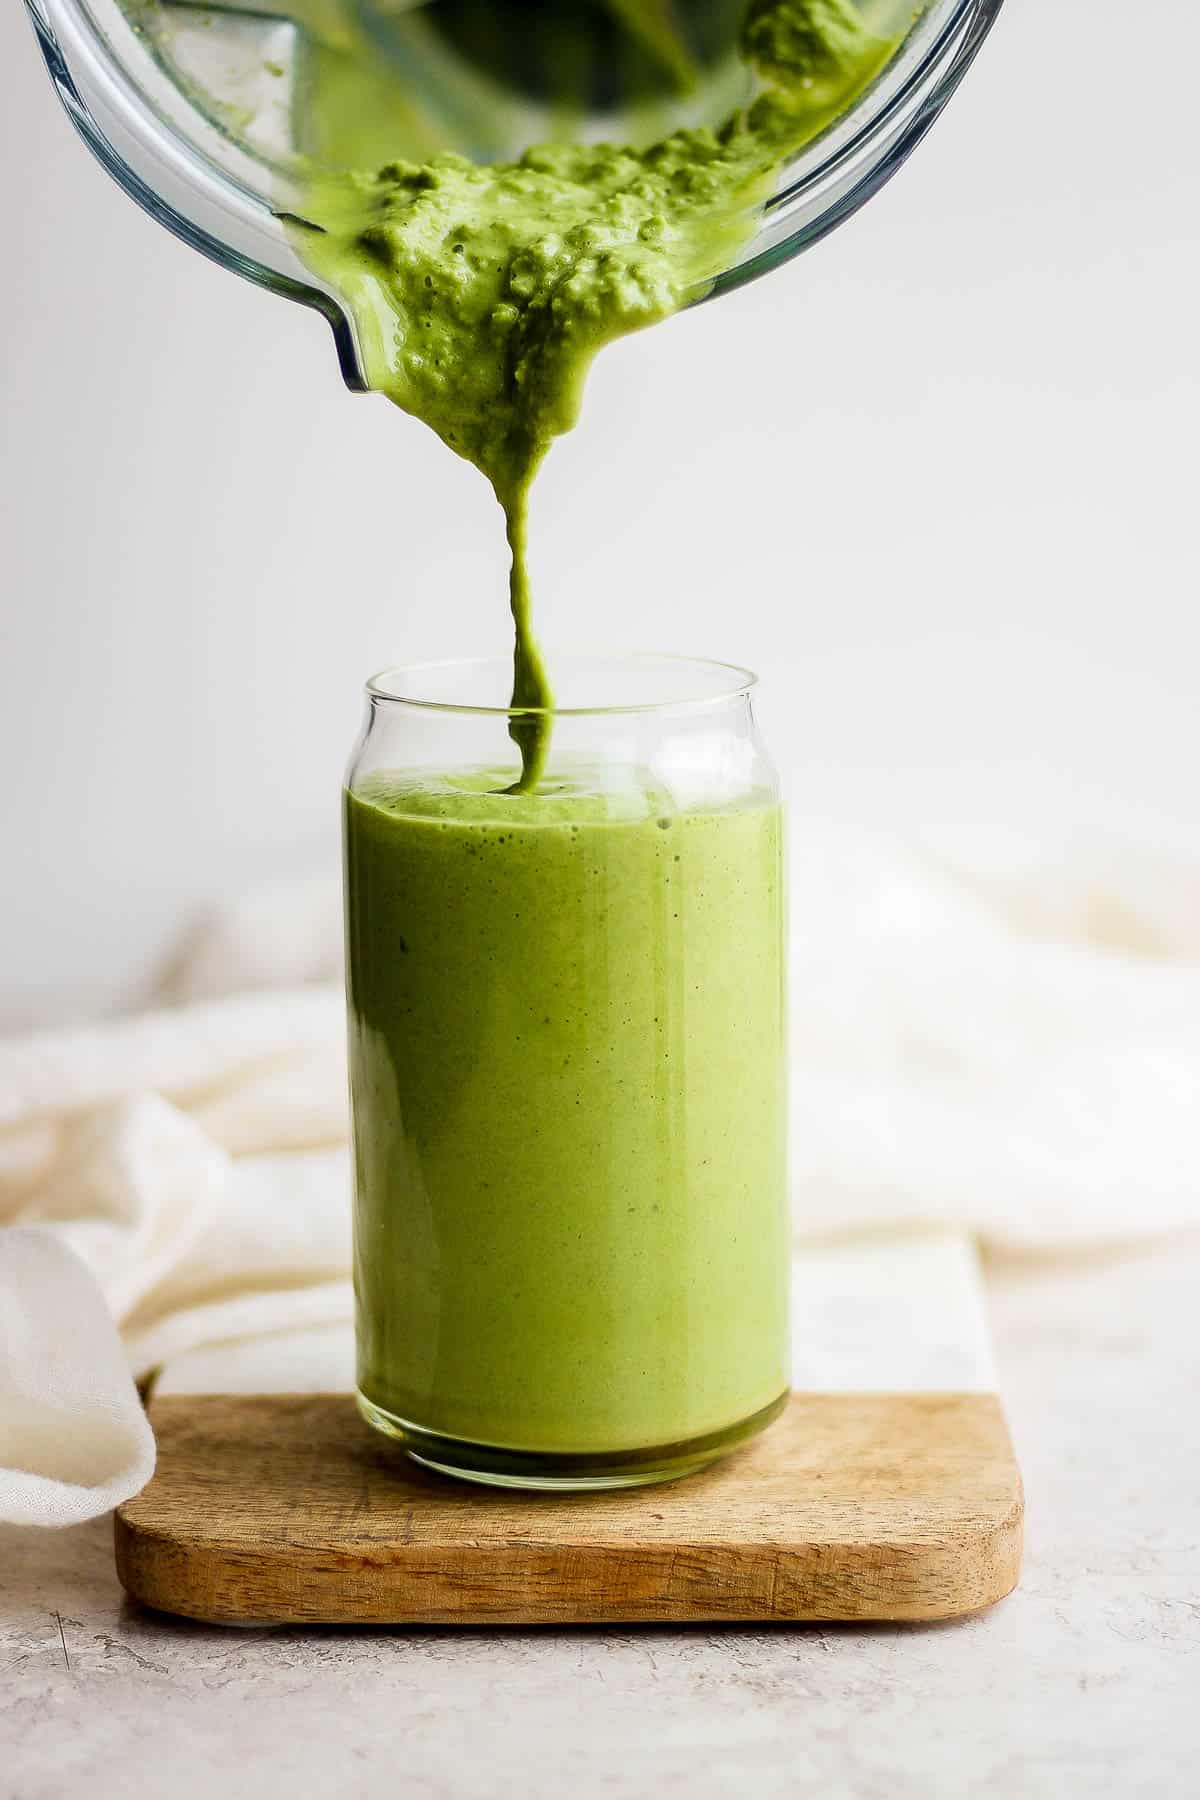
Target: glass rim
[(741, 682)]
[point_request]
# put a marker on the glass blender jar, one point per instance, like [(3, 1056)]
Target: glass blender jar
[(213, 117)]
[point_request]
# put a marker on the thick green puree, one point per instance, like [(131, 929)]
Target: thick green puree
[(566, 1031), (566, 996), (481, 293)]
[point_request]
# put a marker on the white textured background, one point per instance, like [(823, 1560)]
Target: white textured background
[(937, 481)]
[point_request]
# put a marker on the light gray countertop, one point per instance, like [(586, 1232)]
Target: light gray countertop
[(1085, 1681)]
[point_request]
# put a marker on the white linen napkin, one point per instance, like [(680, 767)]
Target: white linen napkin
[(74, 1439), (1011, 1053)]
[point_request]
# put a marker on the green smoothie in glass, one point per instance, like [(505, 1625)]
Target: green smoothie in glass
[(566, 974), (566, 1031)]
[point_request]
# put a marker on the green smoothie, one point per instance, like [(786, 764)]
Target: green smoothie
[(565, 1001), (566, 1036), (483, 291)]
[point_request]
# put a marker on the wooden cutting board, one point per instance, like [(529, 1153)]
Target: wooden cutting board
[(287, 1509)]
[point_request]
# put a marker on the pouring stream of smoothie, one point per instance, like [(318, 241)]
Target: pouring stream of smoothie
[(482, 292)]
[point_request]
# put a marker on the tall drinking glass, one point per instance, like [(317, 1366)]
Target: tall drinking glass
[(567, 1072)]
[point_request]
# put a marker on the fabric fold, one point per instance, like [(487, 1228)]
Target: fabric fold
[(74, 1439)]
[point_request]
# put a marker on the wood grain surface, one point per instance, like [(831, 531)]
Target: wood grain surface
[(288, 1509)]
